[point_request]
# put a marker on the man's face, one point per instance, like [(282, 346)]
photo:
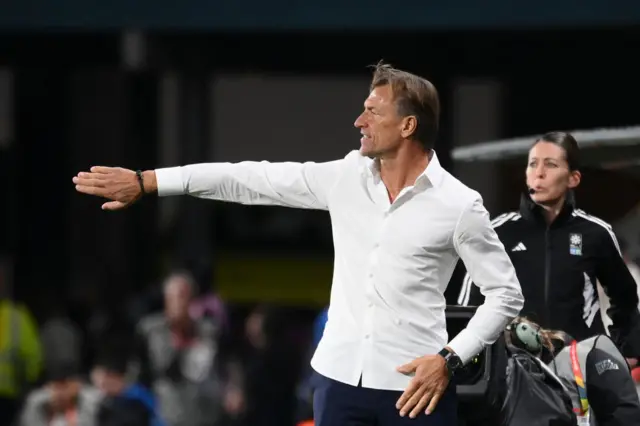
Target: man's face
[(380, 124), (177, 297)]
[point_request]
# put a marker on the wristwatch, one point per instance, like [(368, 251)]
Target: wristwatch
[(454, 363)]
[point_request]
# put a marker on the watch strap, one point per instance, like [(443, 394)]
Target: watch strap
[(452, 360)]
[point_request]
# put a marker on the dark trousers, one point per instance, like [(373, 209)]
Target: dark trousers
[(339, 404)]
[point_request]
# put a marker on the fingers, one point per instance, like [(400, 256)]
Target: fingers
[(113, 205), (102, 170), (421, 404), (407, 368), (90, 181), (419, 401), (435, 399), (412, 388), (91, 190), (416, 397), (414, 400)]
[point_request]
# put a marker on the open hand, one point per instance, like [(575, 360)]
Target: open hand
[(119, 185), (427, 386)]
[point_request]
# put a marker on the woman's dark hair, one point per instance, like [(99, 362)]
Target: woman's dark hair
[(565, 141)]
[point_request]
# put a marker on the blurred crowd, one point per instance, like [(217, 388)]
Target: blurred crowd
[(171, 357)]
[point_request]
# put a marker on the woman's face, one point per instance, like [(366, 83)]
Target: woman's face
[(548, 173)]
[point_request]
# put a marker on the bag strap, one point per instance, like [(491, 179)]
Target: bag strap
[(579, 379)]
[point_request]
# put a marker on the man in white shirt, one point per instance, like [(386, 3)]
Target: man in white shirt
[(400, 222)]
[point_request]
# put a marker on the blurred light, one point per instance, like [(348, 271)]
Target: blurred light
[(133, 50)]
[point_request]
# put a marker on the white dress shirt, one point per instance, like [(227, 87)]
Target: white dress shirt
[(393, 261)]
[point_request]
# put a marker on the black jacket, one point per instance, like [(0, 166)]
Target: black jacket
[(558, 267)]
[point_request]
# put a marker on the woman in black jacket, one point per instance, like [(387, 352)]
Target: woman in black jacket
[(560, 253)]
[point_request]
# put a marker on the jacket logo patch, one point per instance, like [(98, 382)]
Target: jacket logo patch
[(606, 365), (575, 244), (519, 247)]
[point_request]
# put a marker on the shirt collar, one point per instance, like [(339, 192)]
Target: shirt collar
[(432, 174)]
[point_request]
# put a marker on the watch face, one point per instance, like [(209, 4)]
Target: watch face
[(454, 362)]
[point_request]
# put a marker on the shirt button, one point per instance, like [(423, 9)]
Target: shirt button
[(370, 304), (376, 245), (366, 336), (370, 274)]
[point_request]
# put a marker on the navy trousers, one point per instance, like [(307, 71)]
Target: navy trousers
[(339, 404)]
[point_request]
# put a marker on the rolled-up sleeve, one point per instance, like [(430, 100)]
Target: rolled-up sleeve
[(491, 270), (301, 185)]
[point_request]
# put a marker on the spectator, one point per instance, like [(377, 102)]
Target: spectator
[(269, 371), (125, 403), (304, 412), (61, 337), (20, 350), (64, 400), (177, 357)]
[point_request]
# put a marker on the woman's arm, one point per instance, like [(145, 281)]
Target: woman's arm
[(621, 288)]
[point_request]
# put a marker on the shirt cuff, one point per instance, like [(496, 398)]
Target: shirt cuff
[(169, 181), (466, 346)]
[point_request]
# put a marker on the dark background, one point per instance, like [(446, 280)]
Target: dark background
[(70, 91), (76, 104), (77, 98)]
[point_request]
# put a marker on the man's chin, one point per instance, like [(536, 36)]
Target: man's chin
[(367, 152)]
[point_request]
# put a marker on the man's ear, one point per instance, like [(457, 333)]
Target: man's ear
[(409, 126)]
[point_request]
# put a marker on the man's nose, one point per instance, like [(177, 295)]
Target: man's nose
[(359, 123)]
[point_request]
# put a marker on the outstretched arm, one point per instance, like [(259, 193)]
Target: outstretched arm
[(302, 185)]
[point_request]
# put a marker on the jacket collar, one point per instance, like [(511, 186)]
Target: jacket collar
[(533, 212)]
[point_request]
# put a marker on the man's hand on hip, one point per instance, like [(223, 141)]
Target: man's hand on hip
[(119, 185), (427, 386)]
